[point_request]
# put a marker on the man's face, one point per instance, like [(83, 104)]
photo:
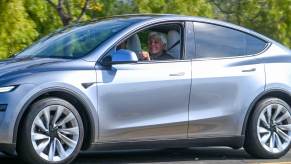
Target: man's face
[(156, 46)]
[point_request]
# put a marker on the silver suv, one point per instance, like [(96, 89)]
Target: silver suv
[(90, 85)]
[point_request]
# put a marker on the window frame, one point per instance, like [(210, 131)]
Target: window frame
[(183, 57), (195, 56)]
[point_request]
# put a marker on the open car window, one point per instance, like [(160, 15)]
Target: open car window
[(170, 36)]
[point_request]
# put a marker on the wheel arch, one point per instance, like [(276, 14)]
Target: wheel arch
[(75, 99), (277, 93)]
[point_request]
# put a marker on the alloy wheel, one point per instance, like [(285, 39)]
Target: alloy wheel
[(55, 133), (274, 128)]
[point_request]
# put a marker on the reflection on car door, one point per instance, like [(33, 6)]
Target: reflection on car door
[(224, 81), (144, 101), (220, 92)]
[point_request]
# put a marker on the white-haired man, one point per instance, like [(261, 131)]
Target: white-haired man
[(157, 44)]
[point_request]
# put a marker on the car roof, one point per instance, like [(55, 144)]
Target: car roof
[(150, 17), (175, 17)]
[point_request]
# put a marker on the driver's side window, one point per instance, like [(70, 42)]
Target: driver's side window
[(157, 43)]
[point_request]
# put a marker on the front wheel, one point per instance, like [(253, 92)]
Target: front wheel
[(52, 132), (269, 130)]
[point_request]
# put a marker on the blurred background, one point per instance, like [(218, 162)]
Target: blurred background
[(24, 21)]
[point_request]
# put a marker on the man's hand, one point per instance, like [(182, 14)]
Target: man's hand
[(145, 55)]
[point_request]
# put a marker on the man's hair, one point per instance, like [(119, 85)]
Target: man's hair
[(160, 36)]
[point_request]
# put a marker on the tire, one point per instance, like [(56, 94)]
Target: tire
[(264, 138), (63, 134)]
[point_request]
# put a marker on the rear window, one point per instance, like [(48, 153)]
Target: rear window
[(214, 41)]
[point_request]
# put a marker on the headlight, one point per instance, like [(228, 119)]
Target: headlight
[(7, 88)]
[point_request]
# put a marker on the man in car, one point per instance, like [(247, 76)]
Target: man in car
[(157, 44)]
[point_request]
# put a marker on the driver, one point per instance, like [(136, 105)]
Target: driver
[(157, 44)]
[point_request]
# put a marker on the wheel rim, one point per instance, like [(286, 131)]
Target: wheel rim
[(274, 128), (55, 133)]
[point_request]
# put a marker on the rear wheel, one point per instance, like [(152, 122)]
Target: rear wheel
[(269, 130), (52, 132)]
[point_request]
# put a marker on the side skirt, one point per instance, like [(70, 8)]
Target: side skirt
[(9, 149), (235, 142)]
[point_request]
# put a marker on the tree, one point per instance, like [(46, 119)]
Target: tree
[(24, 21), (43, 15), (17, 30), (276, 21), (269, 17), (185, 7), (73, 10), (113, 7)]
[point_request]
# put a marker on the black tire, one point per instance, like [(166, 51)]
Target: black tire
[(252, 143), (25, 147)]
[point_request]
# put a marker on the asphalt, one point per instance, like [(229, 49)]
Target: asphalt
[(167, 156)]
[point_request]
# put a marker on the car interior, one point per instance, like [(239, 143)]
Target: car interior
[(138, 42)]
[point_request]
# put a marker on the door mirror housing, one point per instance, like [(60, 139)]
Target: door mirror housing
[(121, 56)]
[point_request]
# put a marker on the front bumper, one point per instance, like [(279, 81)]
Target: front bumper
[(15, 101)]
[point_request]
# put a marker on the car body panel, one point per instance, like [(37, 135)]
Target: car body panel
[(221, 93), (39, 76), (144, 101)]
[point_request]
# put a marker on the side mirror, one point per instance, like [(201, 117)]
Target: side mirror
[(121, 56)]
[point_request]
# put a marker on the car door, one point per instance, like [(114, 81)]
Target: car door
[(144, 100), (225, 80)]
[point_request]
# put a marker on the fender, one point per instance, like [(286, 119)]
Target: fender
[(88, 107), (259, 97)]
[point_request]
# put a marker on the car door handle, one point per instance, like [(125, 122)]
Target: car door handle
[(249, 70), (177, 74)]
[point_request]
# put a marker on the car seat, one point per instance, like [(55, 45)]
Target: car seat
[(133, 44), (173, 44)]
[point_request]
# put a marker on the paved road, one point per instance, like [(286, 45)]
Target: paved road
[(172, 156)]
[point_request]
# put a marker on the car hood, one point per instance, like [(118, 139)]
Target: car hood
[(17, 64)]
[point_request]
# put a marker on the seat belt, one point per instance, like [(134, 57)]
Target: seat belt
[(173, 45)]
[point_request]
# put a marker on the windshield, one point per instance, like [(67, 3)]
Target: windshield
[(75, 41)]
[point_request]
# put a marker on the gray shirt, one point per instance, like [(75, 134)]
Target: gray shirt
[(164, 56)]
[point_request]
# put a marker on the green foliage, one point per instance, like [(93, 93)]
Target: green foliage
[(276, 21), (269, 17), (110, 7), (17, 30), (43, 15), (185, 7), (24, 21)]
